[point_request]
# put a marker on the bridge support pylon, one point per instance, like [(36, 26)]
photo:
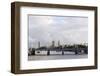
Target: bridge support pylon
[(48, 52), (62, 52)]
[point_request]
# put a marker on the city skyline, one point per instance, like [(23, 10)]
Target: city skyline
[(67, 30), (57, 44)]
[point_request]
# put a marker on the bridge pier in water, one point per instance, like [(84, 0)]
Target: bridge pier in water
[(33, 52), (62, 52), (48, 52), (76, 52)]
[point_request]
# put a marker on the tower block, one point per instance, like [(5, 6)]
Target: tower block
[(39, 44), (53, 43), (58, 43)]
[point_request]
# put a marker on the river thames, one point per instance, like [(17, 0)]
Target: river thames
[(56, 57)]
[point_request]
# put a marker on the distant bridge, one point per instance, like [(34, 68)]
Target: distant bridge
[(76, 50)]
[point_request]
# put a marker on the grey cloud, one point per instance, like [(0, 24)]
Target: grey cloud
[(68, 30)]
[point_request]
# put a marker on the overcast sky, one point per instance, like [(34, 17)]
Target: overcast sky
[(66, 29)]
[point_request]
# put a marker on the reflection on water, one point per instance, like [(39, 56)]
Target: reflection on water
[(54, 57)]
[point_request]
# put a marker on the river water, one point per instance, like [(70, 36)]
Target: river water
[(54, 57)]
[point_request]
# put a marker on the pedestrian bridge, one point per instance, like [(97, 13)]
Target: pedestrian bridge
[(59, 51)]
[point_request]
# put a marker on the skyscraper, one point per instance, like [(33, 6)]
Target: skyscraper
[(53, 43), (58, 43), (39, 44)]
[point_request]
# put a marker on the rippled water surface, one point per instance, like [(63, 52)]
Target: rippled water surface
[(54, 57)]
